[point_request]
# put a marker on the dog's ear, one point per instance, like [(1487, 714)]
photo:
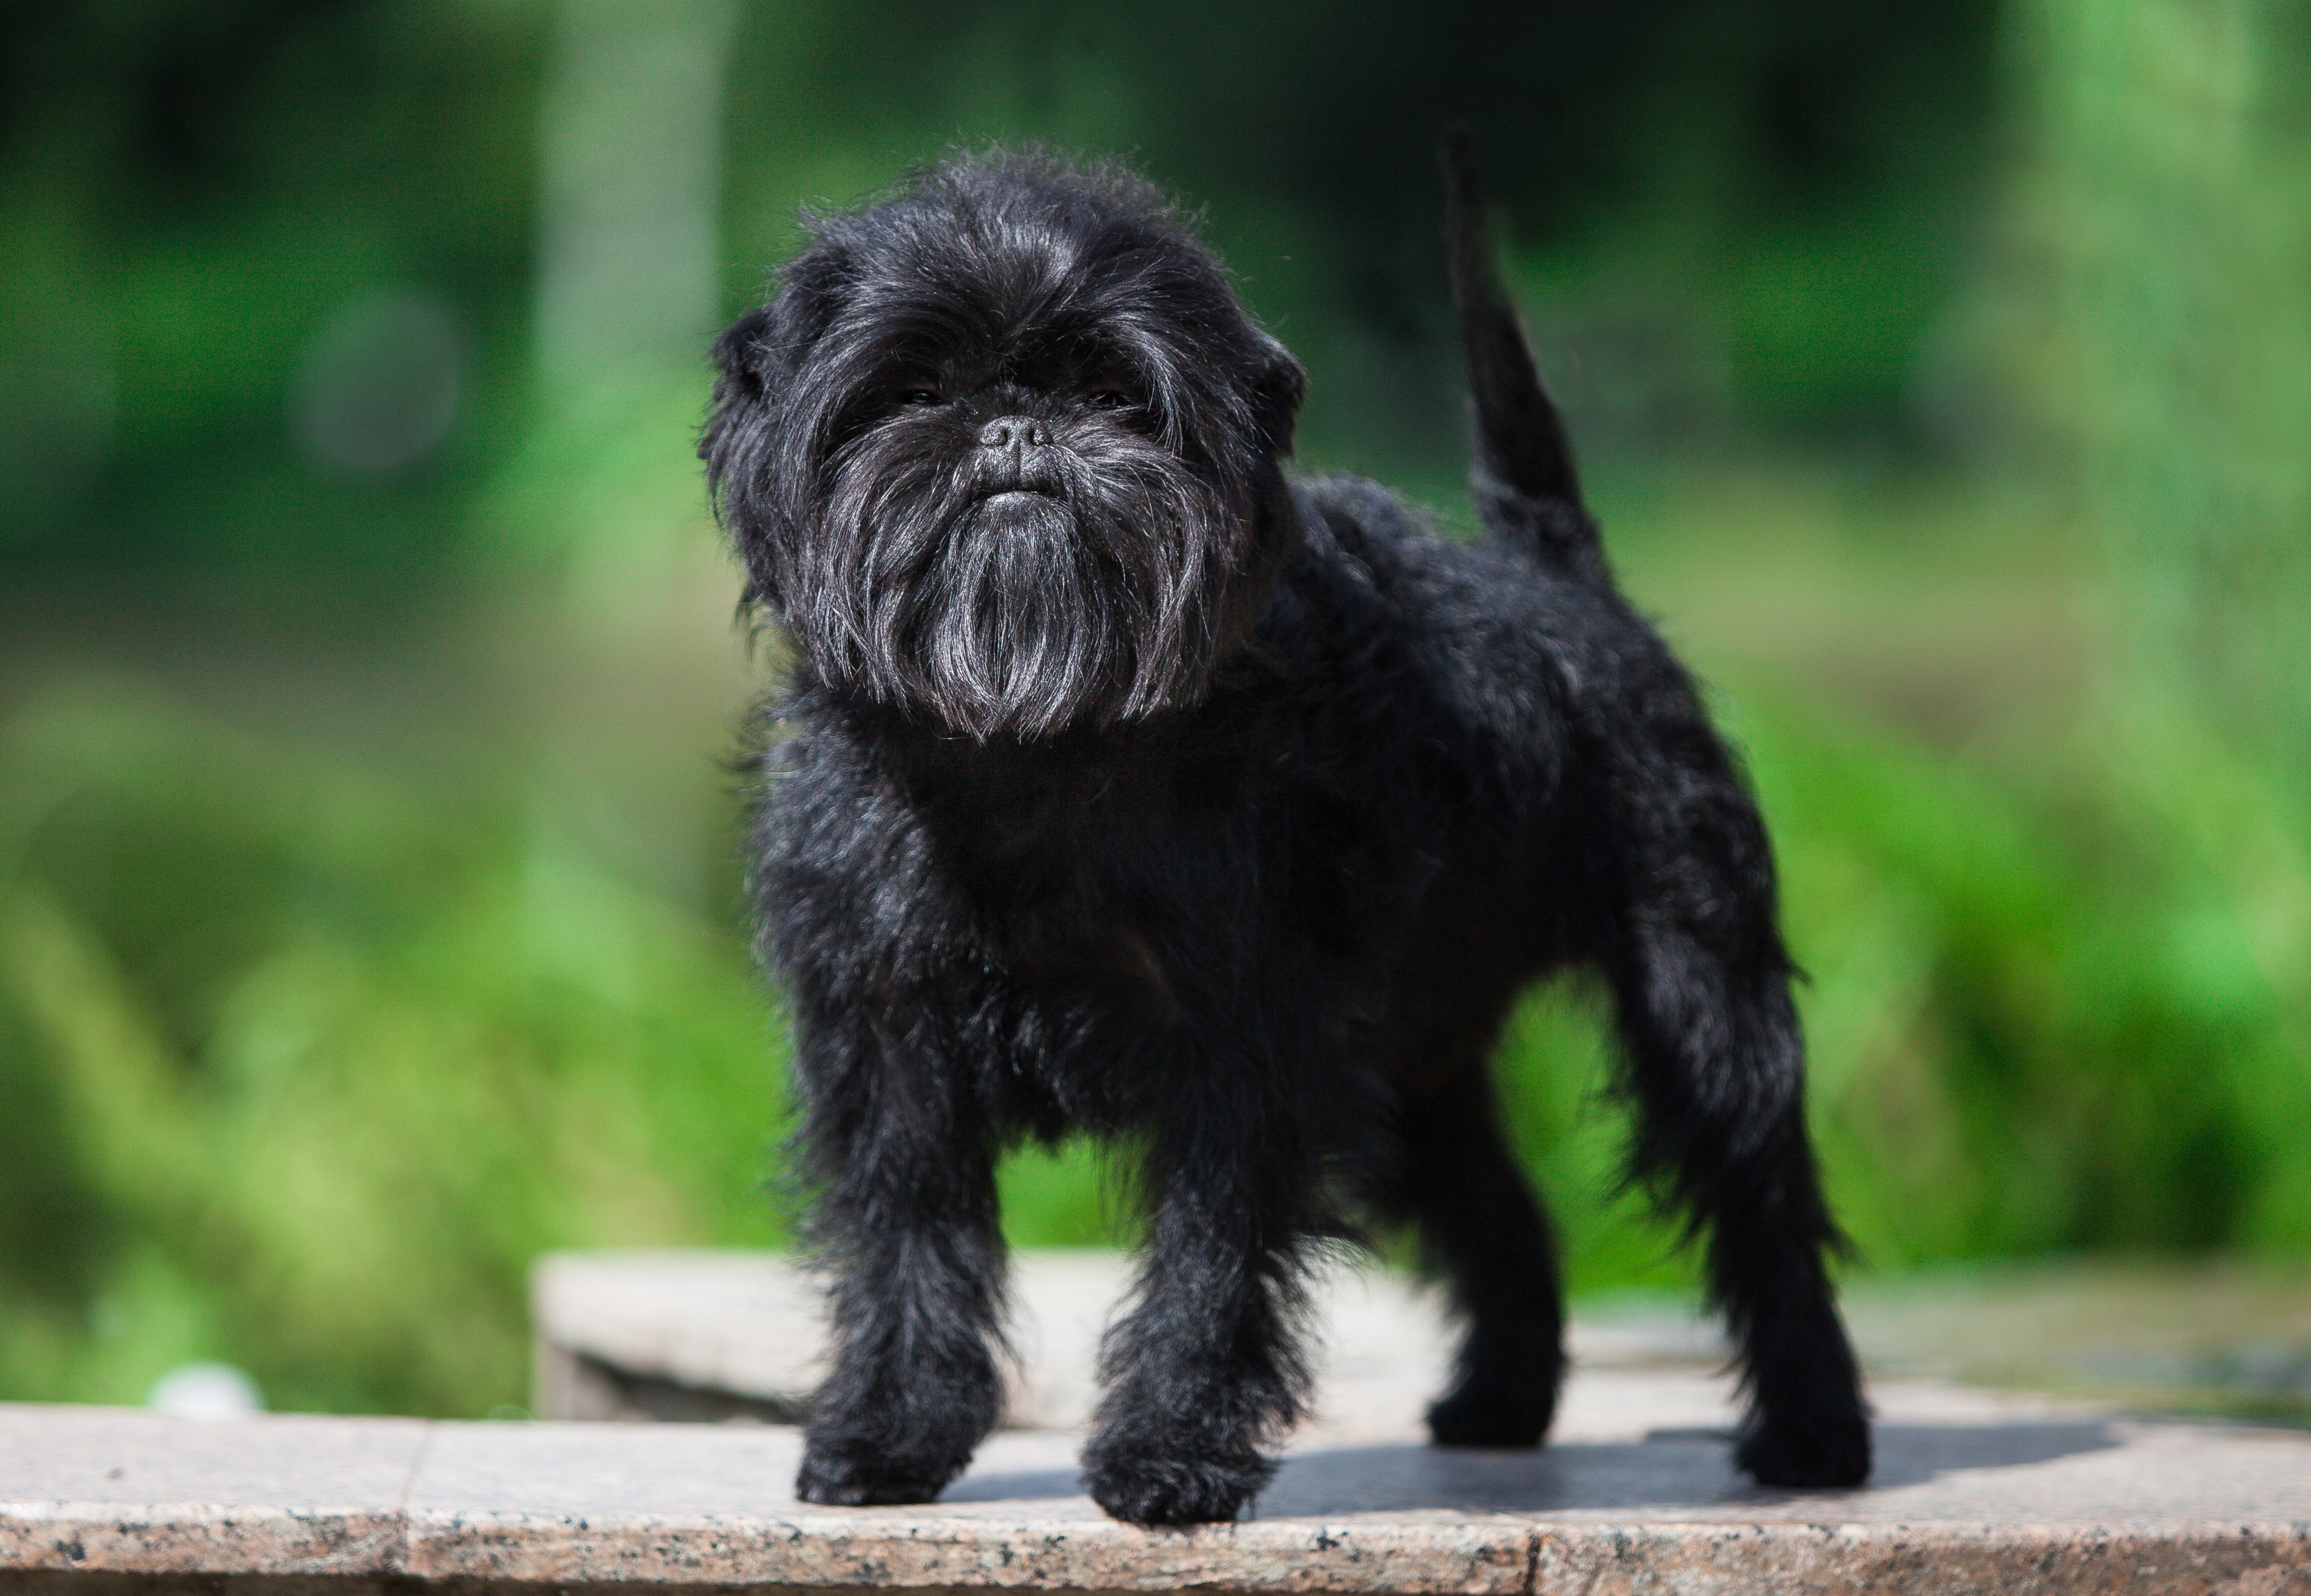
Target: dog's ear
[(751, 365), (757, 362), (758, 356), (745, 356), (1277, 389)]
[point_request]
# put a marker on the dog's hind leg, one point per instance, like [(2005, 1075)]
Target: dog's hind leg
[(1714, 1060), (1480, 1224), (1680, 881)]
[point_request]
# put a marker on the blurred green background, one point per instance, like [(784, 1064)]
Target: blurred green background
[(368, 908)]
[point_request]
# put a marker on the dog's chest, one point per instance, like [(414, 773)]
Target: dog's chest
[(1114, 879), (1095, 900)]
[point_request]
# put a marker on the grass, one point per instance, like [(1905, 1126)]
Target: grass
[(302, 1072)]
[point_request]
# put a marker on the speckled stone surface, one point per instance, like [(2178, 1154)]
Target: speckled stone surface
[(1975, 1492), (99, 1488)]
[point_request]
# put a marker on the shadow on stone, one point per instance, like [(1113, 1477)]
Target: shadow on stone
[(1913, 1455), (1042, 1485), (1669, 1469)]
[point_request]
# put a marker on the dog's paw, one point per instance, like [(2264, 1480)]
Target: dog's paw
[(1823, 1451), (1151, 1487), (838, 1475), (1485, 1415)]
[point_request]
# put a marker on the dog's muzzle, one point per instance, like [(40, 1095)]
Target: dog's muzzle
[(1015, 455)]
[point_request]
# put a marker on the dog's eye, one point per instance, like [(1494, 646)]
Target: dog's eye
[(1111, 399), (916, 398)]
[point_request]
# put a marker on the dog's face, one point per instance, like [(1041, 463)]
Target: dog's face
[(1002, 451)]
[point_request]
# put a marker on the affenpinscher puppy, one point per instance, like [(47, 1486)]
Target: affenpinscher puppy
[(1125, 784)]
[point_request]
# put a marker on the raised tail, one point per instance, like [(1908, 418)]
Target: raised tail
[(1525, 487)]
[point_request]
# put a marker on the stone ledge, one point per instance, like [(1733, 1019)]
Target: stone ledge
[(1975, 1494), (716, 1335), (724, 1334)]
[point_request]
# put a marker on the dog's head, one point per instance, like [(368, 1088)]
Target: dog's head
[(1002, 451)]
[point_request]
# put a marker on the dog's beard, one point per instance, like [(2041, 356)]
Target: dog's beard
[(1087, 597)]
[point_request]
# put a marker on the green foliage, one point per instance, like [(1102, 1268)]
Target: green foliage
[(2047, 1027), (302, 1072)]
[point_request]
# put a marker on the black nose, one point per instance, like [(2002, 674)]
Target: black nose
[(1014, 432)]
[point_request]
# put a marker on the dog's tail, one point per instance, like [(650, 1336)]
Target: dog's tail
[(1524, 483)]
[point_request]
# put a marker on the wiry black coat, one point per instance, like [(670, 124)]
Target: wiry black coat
[(1127, 787)]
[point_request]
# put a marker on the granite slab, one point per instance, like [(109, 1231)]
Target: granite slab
[(1975, 1491), (130, 1491)]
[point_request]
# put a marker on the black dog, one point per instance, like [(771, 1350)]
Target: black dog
[(1130, 786)]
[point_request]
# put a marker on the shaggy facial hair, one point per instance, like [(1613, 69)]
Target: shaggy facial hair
[(1094, 569), (1084, 594)]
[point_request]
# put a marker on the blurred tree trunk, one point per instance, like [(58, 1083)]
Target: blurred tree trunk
[(2167, 187), (630, 257)]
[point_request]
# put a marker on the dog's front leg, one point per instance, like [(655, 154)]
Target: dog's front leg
[(906, 1220), (1208, 1365)]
